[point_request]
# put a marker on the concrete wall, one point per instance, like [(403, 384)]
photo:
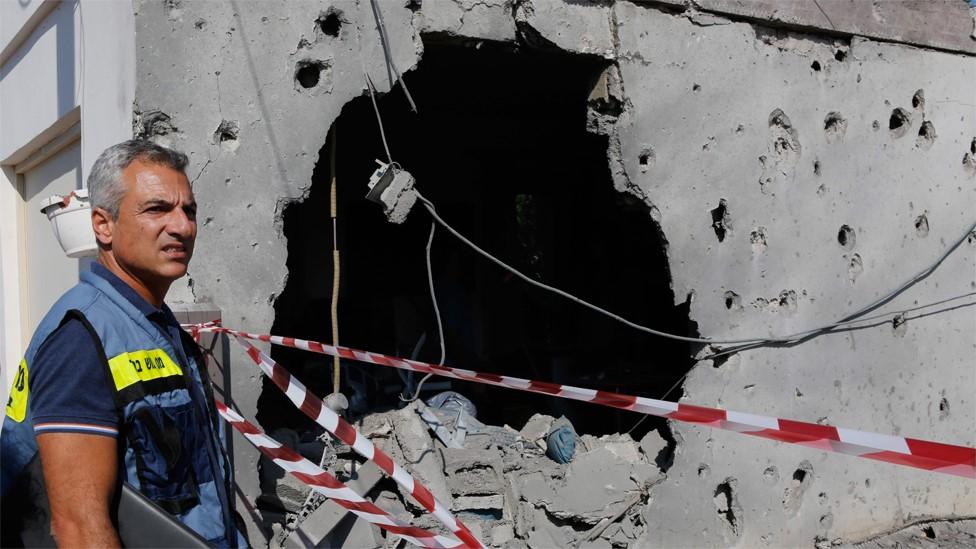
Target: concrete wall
[(790, 130)]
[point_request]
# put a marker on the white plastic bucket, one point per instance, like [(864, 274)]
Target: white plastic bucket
[(70, 218)]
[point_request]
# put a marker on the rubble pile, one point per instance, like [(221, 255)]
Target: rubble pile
[(498, 481)]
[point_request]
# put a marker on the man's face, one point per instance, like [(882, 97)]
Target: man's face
[(153, 235)]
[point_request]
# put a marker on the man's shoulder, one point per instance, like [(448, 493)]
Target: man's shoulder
[(71, 339), (80, 297)]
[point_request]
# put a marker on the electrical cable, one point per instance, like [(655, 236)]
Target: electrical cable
[(850, 325), (385, 42), (437, 314), (379, 119), (742, 341)]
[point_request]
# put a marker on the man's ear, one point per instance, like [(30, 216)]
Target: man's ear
[(103, 225)]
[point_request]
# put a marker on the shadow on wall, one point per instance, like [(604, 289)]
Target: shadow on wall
[(500, 147)]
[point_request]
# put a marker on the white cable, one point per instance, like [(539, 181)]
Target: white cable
[(376, 109), (743, 341), (437, 314), (433, 295)]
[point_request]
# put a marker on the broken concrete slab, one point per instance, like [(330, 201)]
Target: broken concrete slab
[(323, 523), (420, 455), (652, 444), (545, 534), (597, 484), (280, 490), (490, 503), (473, 472), (536, 429), (502, 532), (621, 445)]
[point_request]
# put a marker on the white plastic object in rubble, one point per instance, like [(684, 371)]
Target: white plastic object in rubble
[(70, 218)]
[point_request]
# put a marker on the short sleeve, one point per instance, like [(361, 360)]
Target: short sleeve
[(69, 390)]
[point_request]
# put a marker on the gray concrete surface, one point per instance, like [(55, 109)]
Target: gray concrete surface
[(789, 131)]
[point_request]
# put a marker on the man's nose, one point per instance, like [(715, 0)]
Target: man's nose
[(180, 224)]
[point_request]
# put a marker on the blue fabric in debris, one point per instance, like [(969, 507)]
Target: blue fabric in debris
[(561, 441)]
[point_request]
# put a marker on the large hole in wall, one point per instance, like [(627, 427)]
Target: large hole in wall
[(500, 147)]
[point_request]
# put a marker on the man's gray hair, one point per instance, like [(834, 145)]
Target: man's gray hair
[(105, 186)]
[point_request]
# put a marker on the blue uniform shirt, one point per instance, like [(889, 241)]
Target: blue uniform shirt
[(82, 402)]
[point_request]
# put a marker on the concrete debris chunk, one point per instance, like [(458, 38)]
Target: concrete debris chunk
[(621, 445), (545, 534), (597, 485), (375, 426), (419, 453), (652, 444), (280, 490), (502, 532), (490, 504), (598, 543), (392, 503), (473, 472), (536, 429)]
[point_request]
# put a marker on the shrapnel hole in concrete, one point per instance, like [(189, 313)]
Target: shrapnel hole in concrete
[(491, 176), (926, 135), (899, 324), (840, 55), (846, 237), (898, 122), (835, 126), (918, 100), (307, 73), (330, 23), (732, 300), (922, 225), (929, 532), (969, 158), (226, 135), (815, 66), (725, 503), (721, 220), (646, 158)]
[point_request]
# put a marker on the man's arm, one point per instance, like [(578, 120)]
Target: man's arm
[(80, 474)]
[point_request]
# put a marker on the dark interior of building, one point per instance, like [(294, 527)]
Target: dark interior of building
[(499, 145)]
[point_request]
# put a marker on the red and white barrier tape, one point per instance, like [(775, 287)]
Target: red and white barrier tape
[(312, 406), (329, 486), (921, 454)]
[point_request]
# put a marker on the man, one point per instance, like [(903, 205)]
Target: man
[(111, 389)]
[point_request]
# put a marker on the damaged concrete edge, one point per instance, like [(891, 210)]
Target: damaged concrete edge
[(896, 537), (953, 23)]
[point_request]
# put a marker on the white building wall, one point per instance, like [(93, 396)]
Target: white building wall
[(67, 82)]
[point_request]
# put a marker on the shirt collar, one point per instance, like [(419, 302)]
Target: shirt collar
[(120, 286)]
